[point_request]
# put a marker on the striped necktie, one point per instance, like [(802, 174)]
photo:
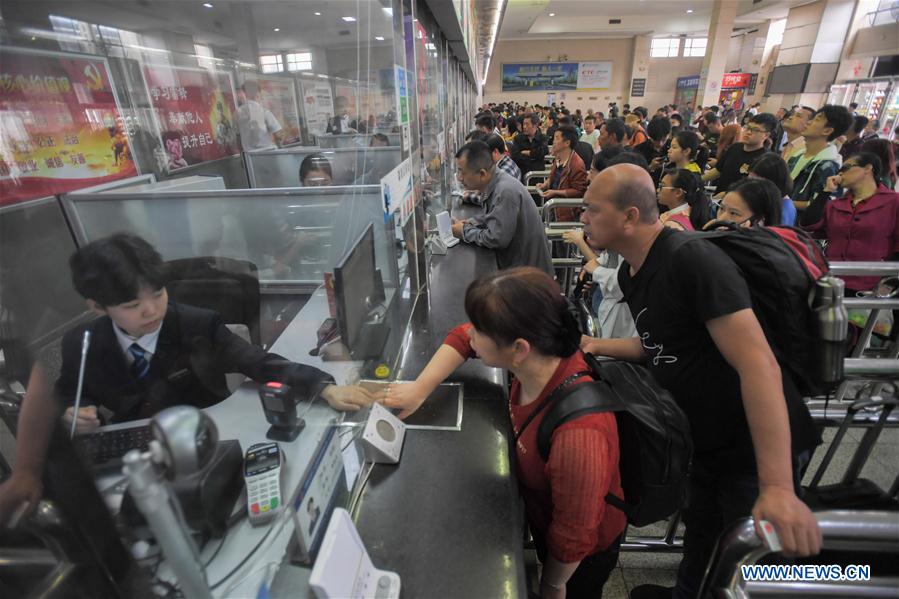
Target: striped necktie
[(141, 365)]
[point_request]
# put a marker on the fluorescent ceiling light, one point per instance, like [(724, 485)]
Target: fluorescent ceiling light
[(318, 14), (207, 5), (689, 10), (552, 14), (349, 19), (495, 30), (277, 29), (380, 38), (387, 11)]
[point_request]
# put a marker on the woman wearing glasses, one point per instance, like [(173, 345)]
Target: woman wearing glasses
[(863, 223), (681, 192)]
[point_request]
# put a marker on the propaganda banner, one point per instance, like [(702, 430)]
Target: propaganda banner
[(194, 111), (60, 125)]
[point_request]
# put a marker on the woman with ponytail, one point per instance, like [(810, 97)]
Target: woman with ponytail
[(681, 192), (521, 322)]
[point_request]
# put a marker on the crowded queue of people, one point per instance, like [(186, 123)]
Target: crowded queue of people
[(690, 321), (663, 296)]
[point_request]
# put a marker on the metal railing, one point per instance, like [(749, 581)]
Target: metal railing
[(549, 207), (841, 530), (531, 175)]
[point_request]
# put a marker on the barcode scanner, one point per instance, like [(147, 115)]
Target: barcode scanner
[(279, 402)]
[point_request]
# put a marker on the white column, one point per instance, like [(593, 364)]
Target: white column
[(723, 14), (639, 67)]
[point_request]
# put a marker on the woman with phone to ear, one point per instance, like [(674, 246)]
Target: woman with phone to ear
[(520, 321), (750, 203)]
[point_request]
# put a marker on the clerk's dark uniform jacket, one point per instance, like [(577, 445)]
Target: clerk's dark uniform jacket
[(680, 287), (194, 352)]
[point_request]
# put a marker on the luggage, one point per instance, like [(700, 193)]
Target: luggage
[(781, 266), (653, 433)]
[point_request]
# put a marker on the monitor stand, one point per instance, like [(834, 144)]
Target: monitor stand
[(371, 341)]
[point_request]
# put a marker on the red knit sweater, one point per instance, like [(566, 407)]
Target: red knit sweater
[(564, 497)]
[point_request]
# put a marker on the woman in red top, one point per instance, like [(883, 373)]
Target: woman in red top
[(520, 321), (863, 225)]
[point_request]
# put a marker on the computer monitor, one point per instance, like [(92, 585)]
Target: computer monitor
[(358, 290)]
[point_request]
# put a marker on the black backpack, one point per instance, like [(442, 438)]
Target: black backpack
[(780, 265), (653, 433)]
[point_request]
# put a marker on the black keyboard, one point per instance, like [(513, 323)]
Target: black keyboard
[(105, 449)]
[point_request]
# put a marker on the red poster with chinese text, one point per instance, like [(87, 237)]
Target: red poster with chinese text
[(60, 126), (195, 112)]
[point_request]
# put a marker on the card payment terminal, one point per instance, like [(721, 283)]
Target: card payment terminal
[(262, 472)]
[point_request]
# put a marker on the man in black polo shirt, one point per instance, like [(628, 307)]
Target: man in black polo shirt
[(700, 338), (735, 163), (529, 147)]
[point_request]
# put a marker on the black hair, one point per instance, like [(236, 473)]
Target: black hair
[(659, 128), (601, 159), (772, 167), (590, 117), (512, 125), (763, 198), (478, 156), (523, 303), (710, 118), (381, 138), (641, 110), (568, 133), (838, 118), (616, 128), (883, 149), (694, 195), (314, 162), (496, 143), (859, 122), (871, 159), (485, 120), (687, 140), (112, 270), (811, 110), (678, 117), (766, 120), (535, 120), (626, 156), (565, 120), (853, 105), (477, 135)]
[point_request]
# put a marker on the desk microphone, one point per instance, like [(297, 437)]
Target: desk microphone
[(85, 344)]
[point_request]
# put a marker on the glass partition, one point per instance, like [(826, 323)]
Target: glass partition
[(37, 300), (312, 167), (292, 236), (173, 85)]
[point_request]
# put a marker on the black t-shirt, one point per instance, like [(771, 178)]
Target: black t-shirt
[(734, 165), (685, 282)]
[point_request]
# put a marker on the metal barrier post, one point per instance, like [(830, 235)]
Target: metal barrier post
[(842, 530)]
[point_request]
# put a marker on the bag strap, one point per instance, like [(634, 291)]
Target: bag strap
[(550, 399)]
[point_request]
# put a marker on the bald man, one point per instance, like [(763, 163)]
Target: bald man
[(698, 335)]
